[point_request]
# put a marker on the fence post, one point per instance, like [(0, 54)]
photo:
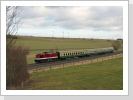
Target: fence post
[(50, 67)]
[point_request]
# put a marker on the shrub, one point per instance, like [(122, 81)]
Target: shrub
[(16, 65), (116, 45)]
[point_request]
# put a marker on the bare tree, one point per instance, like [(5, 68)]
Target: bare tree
[(16, 63), (12, 23), (12, 19)]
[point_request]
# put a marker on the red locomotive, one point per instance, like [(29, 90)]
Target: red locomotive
[(46, 57)]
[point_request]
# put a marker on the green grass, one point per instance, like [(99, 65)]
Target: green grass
[(105, 75), (53, 43)]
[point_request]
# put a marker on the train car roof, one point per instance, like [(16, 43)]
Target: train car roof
[(73, 51), (83, 50)]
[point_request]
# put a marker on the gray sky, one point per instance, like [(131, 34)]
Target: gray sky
[(104, 22)]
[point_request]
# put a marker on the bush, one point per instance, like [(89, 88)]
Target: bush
[(16, 65), (116, 45)]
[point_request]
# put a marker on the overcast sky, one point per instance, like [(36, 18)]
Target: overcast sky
[(103, 22)]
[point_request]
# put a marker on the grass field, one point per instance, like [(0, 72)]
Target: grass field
[(53, 43), (105, 75)]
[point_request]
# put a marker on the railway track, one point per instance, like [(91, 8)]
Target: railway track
[(41, 65)]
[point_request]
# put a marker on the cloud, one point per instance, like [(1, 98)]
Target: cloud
[(107, 18)]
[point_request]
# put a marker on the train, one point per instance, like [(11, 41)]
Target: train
[(62, 55)]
